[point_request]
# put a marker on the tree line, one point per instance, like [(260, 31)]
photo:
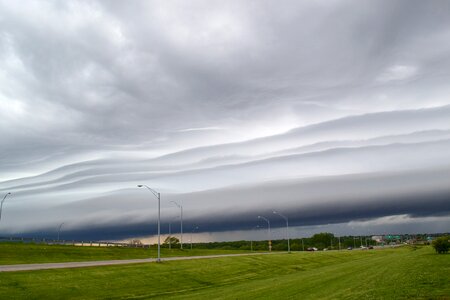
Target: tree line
[(320, 241)]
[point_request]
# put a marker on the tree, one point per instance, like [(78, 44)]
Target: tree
[(279, 247), (171, 240), (322, 240), (442, 244)]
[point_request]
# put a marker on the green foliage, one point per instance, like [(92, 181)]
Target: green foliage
[(171, 240), (322, 240), (442, 244)]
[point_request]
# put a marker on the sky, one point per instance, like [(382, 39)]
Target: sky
[(334, 113)]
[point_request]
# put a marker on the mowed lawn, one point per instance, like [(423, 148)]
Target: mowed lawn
[(401, 273), (27, 253)]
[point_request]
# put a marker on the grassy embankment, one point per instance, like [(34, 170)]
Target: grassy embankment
[(403, 273), (27, 253)]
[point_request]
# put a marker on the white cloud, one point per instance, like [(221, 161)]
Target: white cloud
[(398, 73), (200, 129)]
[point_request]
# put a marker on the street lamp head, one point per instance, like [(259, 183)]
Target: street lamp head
[(140, 185), (179, 205), (9, 193)]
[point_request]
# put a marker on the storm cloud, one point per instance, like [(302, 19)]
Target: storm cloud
[(328, 111)]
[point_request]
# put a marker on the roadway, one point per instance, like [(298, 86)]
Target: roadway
[(83, 264)]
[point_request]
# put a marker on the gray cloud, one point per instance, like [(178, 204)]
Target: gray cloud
[(96, 97)]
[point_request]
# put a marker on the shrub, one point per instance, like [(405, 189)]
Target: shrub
[(441, 244)]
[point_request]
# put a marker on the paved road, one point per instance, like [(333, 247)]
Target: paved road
[(82, 264)]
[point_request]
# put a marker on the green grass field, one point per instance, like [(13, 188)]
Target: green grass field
[(401, 273), (20, 253)]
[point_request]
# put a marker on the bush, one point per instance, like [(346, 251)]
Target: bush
[(441, 244)]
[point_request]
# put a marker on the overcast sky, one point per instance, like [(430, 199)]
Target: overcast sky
[(335, 113)]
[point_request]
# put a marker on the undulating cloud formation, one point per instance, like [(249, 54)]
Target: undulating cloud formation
[(335, 113)]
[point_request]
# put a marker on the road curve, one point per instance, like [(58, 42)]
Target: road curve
[(82, 264)]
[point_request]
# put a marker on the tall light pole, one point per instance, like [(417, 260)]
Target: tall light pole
[(287, 228), (170, 236), (251, 240), (157, 195), (1, 205), (196, 227), (268, 231), (181, 222), (59, 229), (170, 232)]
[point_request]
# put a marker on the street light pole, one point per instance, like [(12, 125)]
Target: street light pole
[(181, 222), (157, 195), (59, 229), (170, 236), (251, 240), (287, 228), (1, 205), (268, 231), (196, 227)]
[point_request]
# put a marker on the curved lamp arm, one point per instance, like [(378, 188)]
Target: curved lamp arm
[(150, 189)]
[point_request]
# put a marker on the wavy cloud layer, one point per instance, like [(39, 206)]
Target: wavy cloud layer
[(331, 112)]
